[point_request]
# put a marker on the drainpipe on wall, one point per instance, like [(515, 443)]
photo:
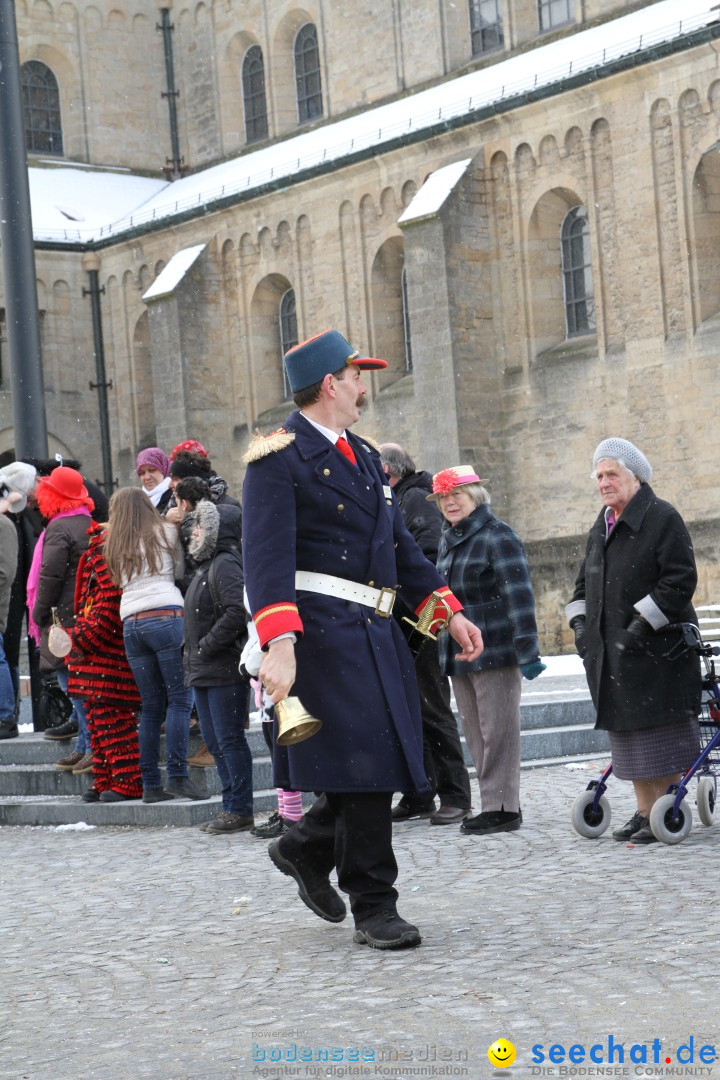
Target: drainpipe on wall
[(174, 165), (91, 263)]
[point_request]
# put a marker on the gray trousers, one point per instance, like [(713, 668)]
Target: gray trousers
[(489, 705)]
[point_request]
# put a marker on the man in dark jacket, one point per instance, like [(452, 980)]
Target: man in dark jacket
[(442, 752)]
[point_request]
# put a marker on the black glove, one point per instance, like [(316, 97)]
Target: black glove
[(634, 638), (578, 626)]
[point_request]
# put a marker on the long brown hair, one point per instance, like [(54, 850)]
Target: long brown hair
[(136, 537)]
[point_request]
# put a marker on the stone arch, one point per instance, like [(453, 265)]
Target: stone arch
[(544, 257), (116, 18), (408, 193), (574, 142), (282, 74), (525, 163), (93, 19), (387, 322), (388, 204), (706, 228), (548, 153), (230, 83), (69, 92), (689, 107), (714, 95), (265, 342)]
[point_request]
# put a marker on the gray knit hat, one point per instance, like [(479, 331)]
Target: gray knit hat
[(18, 478), (627, 454)]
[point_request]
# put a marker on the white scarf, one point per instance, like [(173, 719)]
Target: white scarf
[(157, 492)]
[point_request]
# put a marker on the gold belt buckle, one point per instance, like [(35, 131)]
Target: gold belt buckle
[(385, 602)]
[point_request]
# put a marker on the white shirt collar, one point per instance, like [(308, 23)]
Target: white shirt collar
[(327, 432)]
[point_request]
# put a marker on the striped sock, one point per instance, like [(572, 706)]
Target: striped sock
[(292, 805)]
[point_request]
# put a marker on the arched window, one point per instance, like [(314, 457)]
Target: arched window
[(486, 29), (307, 74), (253, 80), (41, 109), (555, 13), (288, 330), (406, 321), (577, 273)]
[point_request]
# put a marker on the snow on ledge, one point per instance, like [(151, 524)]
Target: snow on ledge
[(434, 192), (168, 279)]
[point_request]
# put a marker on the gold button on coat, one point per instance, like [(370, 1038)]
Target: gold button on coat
[(341, 506), (326, 472)]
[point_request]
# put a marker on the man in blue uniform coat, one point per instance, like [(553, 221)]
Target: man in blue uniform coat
[(324, 551)]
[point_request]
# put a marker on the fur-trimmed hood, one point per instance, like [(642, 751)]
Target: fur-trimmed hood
[(206, 518)]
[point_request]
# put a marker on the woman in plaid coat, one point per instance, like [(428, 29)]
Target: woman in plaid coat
[(484, 563), (101, 675)]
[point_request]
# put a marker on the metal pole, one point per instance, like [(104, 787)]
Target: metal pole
[(91, 263), (18, 255)]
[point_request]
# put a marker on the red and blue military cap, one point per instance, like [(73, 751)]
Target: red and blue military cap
[(311, 360)]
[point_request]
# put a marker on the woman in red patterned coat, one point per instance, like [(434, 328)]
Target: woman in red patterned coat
[(100, 673)]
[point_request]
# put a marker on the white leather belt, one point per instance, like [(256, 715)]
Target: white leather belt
[(380, 600)]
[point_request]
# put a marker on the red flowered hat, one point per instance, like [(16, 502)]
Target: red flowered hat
[(446, 481), (191, 445)]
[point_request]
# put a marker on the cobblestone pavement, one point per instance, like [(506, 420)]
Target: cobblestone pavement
[(173, 955)]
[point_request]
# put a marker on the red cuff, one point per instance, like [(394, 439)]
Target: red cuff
[(277, 619), (440, 615)]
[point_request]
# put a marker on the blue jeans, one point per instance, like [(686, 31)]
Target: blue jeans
[(7, 690), (222, 711), (153, 648), (82, 743)]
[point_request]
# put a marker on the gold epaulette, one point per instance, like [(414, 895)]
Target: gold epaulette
[(370, 442), (262, 445)]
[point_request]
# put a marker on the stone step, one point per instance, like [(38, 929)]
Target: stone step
[(33, 792)]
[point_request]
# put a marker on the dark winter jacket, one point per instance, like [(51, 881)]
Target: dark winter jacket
[(646, 564), (65, 540), (484, 563), (422, 519), (215, 630)]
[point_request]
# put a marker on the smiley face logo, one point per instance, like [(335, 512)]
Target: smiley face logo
[(501, 1053)]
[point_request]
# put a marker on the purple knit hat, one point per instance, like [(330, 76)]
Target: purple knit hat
[(154, 457)]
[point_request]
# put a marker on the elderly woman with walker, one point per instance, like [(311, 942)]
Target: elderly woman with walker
[(636, 580)]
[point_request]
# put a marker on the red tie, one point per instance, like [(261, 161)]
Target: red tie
[(346, 450)]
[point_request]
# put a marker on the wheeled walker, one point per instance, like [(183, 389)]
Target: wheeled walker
[(670, 817)]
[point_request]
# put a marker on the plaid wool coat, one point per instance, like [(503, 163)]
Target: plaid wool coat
[(484, 563)]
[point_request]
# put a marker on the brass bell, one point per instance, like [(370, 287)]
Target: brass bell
[(295, 724)]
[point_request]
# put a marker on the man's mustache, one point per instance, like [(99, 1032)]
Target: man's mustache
[(362, 400)]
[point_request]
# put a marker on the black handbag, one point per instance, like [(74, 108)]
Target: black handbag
[(54, 706)]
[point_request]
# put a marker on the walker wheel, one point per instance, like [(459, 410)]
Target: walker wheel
[(587, 821), (706, 799), (666, 828)]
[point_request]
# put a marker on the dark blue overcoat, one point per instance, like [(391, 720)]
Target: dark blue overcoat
[(306, 507)]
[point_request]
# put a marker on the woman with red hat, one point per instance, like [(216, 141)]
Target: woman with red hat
[(63, 500)]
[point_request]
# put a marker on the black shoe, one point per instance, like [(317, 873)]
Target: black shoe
[(91, 795), (637, 821), (315, 889), (492, 821), (403, 812), (643, 835), (274, 826), (62, 731), (115, 796), (8, 730), (387, 930), (182, 788), (156, 794)]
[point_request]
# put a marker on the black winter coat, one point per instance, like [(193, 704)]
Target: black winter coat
[(422, 519), (649, 554), (214, 637)]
